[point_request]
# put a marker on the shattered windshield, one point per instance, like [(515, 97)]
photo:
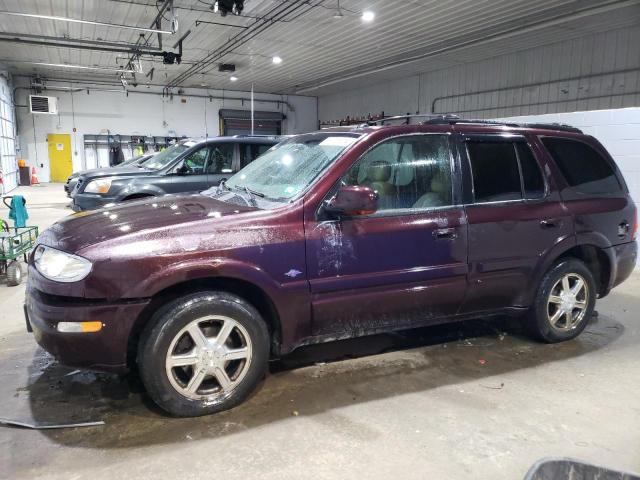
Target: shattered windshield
[(291, 166)]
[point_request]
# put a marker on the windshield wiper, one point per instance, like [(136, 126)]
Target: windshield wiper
[(251, 193), (222, 186)]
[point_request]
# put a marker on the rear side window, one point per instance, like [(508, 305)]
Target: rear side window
[(585, 170), (249, 152), (494, 167), (221, 158), (531, 175)]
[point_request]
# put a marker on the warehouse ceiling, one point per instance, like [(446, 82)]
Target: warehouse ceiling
[(322, 44)]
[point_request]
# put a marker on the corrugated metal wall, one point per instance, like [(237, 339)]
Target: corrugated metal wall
[(592, 72)]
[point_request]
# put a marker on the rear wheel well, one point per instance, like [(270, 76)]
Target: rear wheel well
[(248, 291), (596, 261)]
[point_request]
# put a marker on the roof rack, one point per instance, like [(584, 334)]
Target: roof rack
[(431, 118), (453, 119)]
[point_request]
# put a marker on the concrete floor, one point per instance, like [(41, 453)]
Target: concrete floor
[(473, 400)]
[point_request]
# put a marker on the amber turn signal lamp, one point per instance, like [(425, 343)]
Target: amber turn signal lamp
[(79, 327)]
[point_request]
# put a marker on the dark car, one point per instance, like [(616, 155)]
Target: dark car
[(132, 162), (188, 166), (331, 235)]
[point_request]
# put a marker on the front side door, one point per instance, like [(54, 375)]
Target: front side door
[(222, 163), (190, 174), (515, 217), (403, 265)]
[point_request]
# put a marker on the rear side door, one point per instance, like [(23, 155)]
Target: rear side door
[(223, 162), (189, 175), (515, 216), (595, 191), (406, 263)]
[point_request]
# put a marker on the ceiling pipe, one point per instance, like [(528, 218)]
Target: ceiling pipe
[(82, 41), (43, 43), (279, 12), (168, 4), (188, 95), (64, 65), (88, 22)]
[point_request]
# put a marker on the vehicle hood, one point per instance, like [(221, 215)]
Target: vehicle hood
[(114, 172), (149, 217)]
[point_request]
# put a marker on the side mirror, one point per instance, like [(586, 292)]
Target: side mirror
[(352, 201)]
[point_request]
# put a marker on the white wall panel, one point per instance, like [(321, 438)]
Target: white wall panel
[(138, 114)]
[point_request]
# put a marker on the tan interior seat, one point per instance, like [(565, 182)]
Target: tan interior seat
[(437, 197), (379, 179)]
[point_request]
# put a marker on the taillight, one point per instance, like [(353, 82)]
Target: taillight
[(634, 228)]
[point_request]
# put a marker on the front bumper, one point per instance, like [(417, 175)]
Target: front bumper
[(105, 350), (91, 201)]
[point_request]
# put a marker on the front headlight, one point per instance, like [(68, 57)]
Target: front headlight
[(60, 266), (99, 186)]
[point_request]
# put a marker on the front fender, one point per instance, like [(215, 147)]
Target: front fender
[(197, 269), (290, 299), (136, 189)]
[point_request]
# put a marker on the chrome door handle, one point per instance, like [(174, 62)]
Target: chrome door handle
[(551, 223), (445, 234)]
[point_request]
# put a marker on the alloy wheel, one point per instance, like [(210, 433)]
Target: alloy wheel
[(208, 358), (568, 301)]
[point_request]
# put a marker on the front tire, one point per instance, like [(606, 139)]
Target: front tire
[(564, 302), (203, 353)]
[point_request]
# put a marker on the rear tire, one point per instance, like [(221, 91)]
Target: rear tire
[(185, 365), (564, 302), (14, 274)]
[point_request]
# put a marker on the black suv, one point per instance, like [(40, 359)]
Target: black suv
[(188, 166)]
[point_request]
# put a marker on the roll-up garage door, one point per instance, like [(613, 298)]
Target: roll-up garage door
[(238, 122)]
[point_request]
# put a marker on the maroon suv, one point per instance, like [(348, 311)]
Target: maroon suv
[(335, 234)]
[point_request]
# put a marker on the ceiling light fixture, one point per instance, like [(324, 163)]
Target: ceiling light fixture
[(277, 60), (233, 79), (368, 16), (338, 13)]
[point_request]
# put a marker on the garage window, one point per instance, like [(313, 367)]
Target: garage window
[(582, 166)]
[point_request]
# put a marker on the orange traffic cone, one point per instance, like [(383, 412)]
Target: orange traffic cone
[(34, 177)]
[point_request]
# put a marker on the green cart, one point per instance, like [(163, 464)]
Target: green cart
[(15, 242)]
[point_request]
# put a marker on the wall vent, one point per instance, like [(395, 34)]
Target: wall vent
[(46, 105)]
